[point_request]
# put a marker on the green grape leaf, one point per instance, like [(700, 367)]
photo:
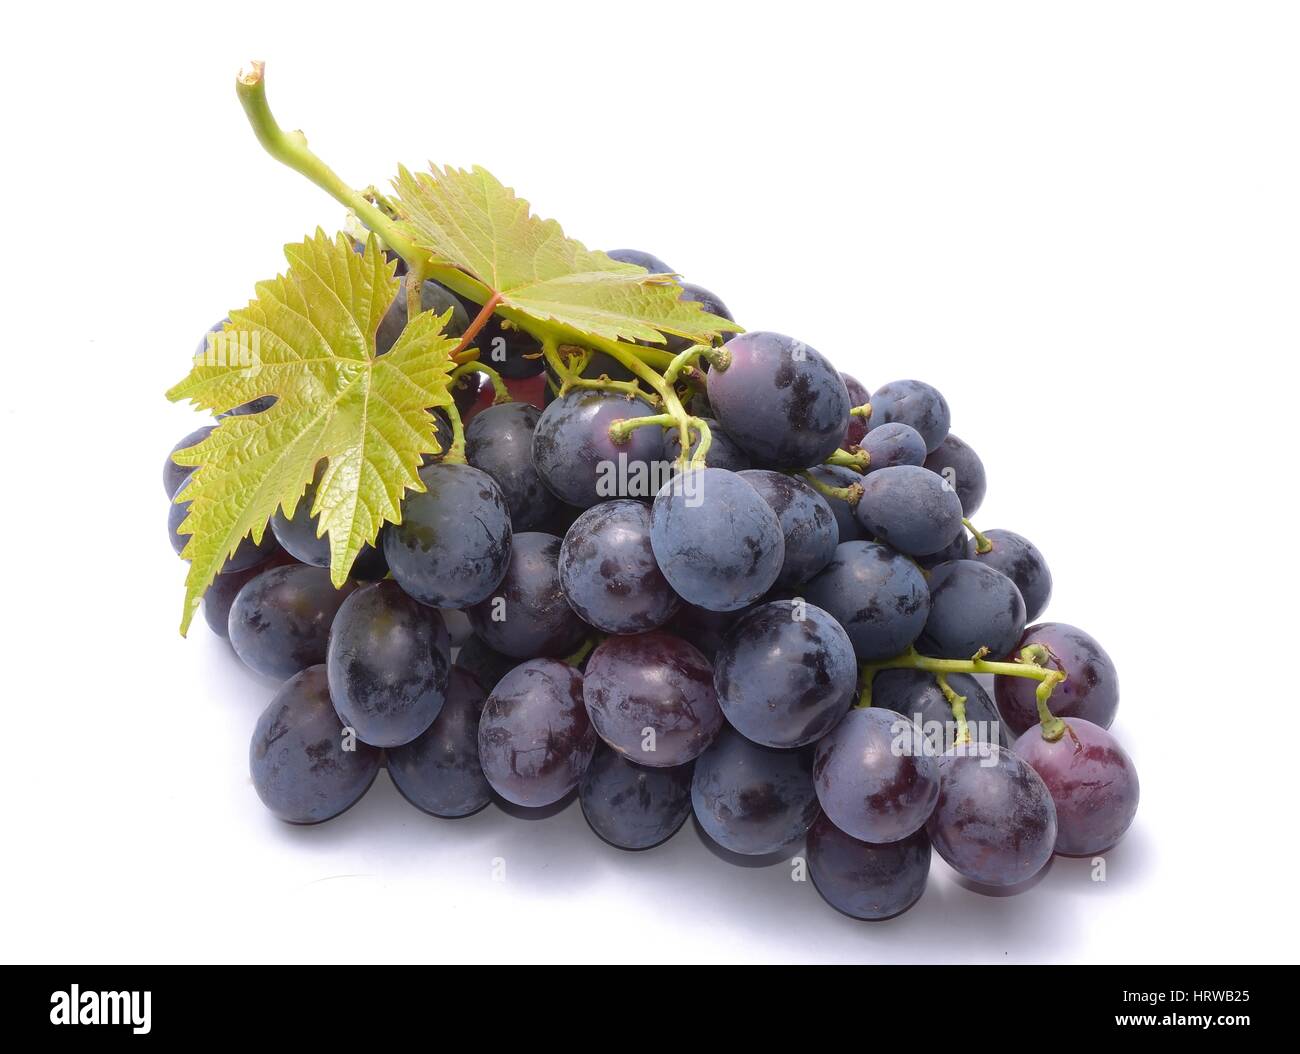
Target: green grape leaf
[(470, 220), (309, 340)]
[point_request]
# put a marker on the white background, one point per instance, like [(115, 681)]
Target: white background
[(1079, 220)]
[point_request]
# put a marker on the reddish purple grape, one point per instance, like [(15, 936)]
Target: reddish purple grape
[(651, 698), (1090, 689), (858, 396), (1091, 780)]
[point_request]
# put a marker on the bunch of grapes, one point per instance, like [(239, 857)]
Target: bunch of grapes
[(770, 613)]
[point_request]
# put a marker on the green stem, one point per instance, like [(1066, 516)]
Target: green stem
[(982, 544), (455, 454), (858, 460), (958, 705), (852, 493), (621, 430), (584, 649), (863, 411)]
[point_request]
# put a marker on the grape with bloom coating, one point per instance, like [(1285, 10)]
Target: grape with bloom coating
[(500, 441), (527, 616), (807, 524), (280, 621), (1090, 689), (631, 806), (1019, 559), (910, 508), (956, 462), (912, 403), (878, 596), (972, 606), (894, 444), (863, 880)]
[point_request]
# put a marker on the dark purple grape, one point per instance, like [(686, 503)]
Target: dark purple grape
[(780, 400), (716, 540), (874, 775), (649, 261), (247, 554), (1090, 690), (807, 524), (576, 457), (752, 799), (651, 698), (305, 768), (954, 550), (916, 694), (280, 621), (484, 663), (527, 616), (956, 462), (858, 396), (631, 806), (994, 823), (389, 660), (220, 596), (173, 474), (1092, 782), (722, 453), (878, 596), (839, 476), (894, 444), (535, 739), (910, 508), (912, 403), (608, 570), (510, 351), (972, 606), (867, 881), (499, 440), (702, 627), (785, 674), (297, 534), (439, 771), (433, 297), (453, 544), (1019, 559)]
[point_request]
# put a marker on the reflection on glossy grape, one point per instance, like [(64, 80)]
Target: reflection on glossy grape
[(1090, 689), (651, 697), (439, 770), (874, 776), (631, 806), (388, 663), (298, 761), (752, 799), (995, 822), (867, 881), (534, 738), (280, 621)]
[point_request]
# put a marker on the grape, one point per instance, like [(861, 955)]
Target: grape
[(453, 544), (785, 674), (894, 444), (298, 761), (916, 694), (807, 524), (910, 508), (1090, 690), (703, 628), (995, 822), (576, 457), (956, 462), (465, 393), (500, 441), (173, 474), (722, 453), (389, 659), (608, 570), (433, 297), (631, 806), (716, 540), (649, 261), (1019, 559), (484, 663), (972, 606), (297, 534), (878, 596), (220, 596), (780, 400), (280, 621), (526, 616), (867, 881), (858, 396), (246, 555), (874, 776), (534, 738), (256, 406), (753, 799), (912, 403), (710, 303), (510, 351), (839, 476), (1092, 782), (954, 550), (651, 697), (438, 771)]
